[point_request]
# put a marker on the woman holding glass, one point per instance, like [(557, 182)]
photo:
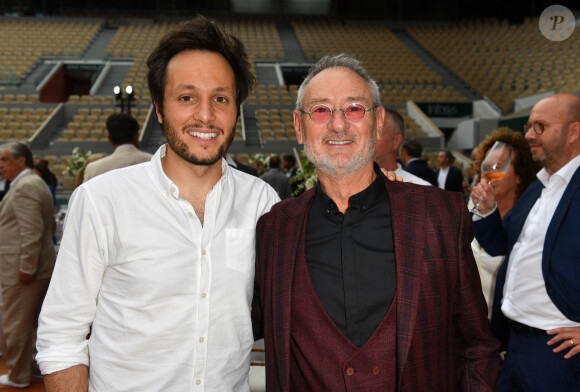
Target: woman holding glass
[(515, 172)]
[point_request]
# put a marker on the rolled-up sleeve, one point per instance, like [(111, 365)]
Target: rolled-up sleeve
[(70, 304)]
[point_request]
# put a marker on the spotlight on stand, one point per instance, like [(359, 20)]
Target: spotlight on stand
[(129, 98), (124, 101)]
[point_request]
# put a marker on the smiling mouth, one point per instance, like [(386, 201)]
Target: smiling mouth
[(339, 142), (203, 135)]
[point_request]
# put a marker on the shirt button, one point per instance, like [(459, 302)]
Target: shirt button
[(172, 189), (201, 340), (190, 214), (198, 382), (349, 371), (203, 252), (376, 370), (203, 295)]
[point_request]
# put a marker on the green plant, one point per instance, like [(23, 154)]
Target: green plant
[(264, 158), (305, 177), (77, 161)]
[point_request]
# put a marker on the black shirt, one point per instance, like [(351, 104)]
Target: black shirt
[(351, 259)]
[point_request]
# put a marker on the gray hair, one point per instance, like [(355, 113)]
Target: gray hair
[(18, 150), (339, 61)]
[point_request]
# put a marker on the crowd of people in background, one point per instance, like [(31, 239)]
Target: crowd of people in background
[(363, 282)]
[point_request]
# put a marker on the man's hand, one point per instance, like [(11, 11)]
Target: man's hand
[(483, 194), (391, 175), (570, 338), (25, 278)]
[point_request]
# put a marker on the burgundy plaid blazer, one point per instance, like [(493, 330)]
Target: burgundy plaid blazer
[(443, 334)]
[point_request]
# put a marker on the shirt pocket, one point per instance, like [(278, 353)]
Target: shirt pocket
[(240, 250)]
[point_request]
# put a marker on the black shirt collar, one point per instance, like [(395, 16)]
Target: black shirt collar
[(362, 201)]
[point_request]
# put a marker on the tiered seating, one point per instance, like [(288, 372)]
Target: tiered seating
[(91, 99), (24, 42), (259, 34), (19, 123), (276, 124), (89, 124), (400, 94), (388, 60), (136, 41), (504, 61), (271, 95)]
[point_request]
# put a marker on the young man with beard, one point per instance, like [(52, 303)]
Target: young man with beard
[(157, 260), (363, 284)]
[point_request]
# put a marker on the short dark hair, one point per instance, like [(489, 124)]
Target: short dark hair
[(290, 158), (18, 150), (46, 174), (449, 155), (199, 33), (413, 147), (398, 119), (122, 128), (524, 165), (274, 162)]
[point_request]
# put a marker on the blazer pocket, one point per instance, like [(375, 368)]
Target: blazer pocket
[(240, 249)]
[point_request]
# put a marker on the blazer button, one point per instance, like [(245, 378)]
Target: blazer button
[(376, 370), (349, 371)]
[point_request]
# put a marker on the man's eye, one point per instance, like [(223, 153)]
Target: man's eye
[(186, 98), (222, 99), (320, 109)]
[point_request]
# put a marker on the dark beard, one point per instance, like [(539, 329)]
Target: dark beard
[(181, 149)]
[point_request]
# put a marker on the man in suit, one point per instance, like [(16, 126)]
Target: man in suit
[(277, 178), (411, 152), (363, 284), (536, 310), (448, 176), (123, 132), (26, 259), (388, 145)]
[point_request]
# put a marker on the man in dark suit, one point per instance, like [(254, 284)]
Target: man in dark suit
[(536, 310), (448, 176), (364, 284), (411, 152)]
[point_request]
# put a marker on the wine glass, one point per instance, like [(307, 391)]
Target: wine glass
[(495, 165)]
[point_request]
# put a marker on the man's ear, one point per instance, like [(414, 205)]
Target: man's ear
[(21, 161), (298, 127), (158, 113), (574, 132), (380, 120)]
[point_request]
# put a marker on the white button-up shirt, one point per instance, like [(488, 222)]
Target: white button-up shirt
[(525, 297), (167, 298)]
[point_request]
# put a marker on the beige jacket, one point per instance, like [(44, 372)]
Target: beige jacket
[(125, 155), (27, 227)]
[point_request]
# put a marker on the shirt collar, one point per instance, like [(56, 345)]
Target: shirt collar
[(363, 200), (124, 146), (20, 175), (565, 173), (165, 182)]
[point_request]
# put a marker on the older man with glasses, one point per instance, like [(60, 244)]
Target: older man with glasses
[(363, 284), (536, 311)]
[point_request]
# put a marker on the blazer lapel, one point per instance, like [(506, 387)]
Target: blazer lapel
[(408, 238), (283, 274), (558, 218)]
